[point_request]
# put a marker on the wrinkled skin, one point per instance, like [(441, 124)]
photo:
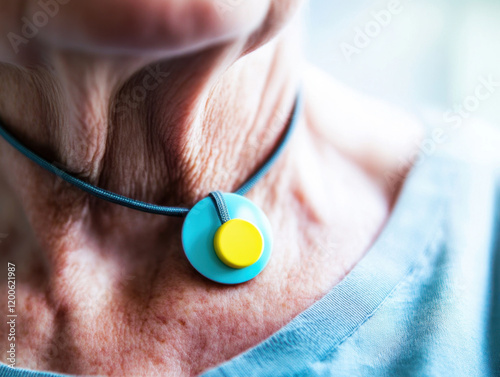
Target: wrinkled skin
[(164, 101)]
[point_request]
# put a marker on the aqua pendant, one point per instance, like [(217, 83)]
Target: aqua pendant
[(232, 252)]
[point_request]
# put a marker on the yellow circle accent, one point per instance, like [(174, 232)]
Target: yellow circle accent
[(238, 243)]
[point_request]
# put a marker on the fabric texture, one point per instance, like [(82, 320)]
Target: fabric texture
[(425, 299)]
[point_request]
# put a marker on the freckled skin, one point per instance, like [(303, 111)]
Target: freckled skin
[(105, 290)]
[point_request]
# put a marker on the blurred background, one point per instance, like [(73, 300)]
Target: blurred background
[(414, 53)]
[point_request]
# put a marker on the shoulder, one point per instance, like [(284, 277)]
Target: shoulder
[(373, 131)]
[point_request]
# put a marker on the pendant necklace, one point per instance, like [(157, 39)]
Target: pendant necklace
[(225, 236)]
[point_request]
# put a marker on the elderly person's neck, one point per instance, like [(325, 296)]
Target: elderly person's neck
[(163, 131), (98, 276)]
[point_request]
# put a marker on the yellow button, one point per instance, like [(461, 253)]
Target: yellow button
[(238, 243)]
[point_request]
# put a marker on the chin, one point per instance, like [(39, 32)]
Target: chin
[(149, 26), (133, 28)]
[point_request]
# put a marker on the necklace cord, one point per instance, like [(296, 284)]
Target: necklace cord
[(148, 207), (220, 206)]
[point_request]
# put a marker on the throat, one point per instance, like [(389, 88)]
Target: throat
[(168, 134)]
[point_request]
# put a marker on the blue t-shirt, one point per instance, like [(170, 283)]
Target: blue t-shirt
[(425, 299)]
